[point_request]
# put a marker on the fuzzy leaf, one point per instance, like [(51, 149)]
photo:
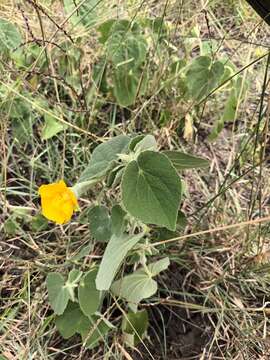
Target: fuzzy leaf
[(100, 223), (182, 161), (115, 252), (103, 155), (151, 189), (58, 293), (89, 296), (139, 285)]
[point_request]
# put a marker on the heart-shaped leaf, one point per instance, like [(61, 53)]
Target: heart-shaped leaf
[(203, 76), (126, 49), (151, 189), (139, 285)]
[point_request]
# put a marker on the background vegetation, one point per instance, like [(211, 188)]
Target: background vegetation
[(62, 92)]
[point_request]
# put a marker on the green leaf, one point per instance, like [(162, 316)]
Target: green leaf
[(89, 296), (103, 155), (139, 285), (134, 141), (73, 321), (39, 223), (93, 334), (230, 110), (11, 226), (157, 25), (209, 47), (10, 37), (134, 288), (135, 324), (51, 127), (203, 76), (58, 293), (124, 25), (151, 189), (73, 277), (126, 86), (86, 13), (126, 49), (69, 322), (182, 161), (83, 252), (118, 220), (158, 266), (22, 128), (20, 113), (100, 223), (181, 220), (115, 252), (115, 175), (105, 30), (147, 143)]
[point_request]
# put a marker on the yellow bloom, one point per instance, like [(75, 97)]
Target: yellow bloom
[(58, 202)]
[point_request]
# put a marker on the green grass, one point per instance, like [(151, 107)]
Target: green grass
[(224, 274)]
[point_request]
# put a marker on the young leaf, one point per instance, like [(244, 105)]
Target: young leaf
[(51, 127), (115, 252), (73, 277), (182, 161), (58, 293), (147, 143), (89, 296), (135, 287), (139, 285), (103, 155), (134, 141), (151, 189), (100, 223), (158, 266), (203, 76)]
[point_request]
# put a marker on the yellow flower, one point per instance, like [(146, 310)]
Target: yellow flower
[(58, 202)]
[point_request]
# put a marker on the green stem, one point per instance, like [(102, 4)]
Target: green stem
[(82, 187)]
